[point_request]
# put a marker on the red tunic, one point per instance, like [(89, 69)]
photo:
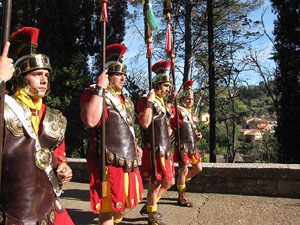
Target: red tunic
[(116, 174), (186, 158), (164, 167)]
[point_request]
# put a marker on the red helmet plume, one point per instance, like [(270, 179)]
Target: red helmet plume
[(160, 67), (188, 83), (187, 88), (23, 42), (115, 52)]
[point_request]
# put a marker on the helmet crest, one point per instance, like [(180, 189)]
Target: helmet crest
[(114, 55), (23, 45), (160, 69)]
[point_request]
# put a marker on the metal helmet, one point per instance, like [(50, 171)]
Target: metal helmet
[(23, 45), (187, 89), (160, 69), (114, 55)]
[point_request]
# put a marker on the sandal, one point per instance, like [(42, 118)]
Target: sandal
[(154, 219), (144, 212), (184, 202)]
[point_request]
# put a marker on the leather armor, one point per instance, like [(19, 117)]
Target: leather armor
[(162, 139), (188, 137), (119, 141), (27, 196)]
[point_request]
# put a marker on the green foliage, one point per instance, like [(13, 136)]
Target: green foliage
[(202, 144)]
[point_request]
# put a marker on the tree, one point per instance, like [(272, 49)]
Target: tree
[(287, 80)]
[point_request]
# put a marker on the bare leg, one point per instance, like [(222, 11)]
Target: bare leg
[(153, 189), (106, 218), (182, 172), (119, 215), (166, 185), (195, 170)]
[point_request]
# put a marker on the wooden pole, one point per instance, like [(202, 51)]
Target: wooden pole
[(103, 20), (6, 31), (148, 40)]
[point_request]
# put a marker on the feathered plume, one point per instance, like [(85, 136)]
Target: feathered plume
[(23, 42), (160, 67), (188, 84), (115, 52)]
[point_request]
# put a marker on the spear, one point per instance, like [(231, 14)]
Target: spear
[(148, 40), (170, 53), (6, 31), (103, 19)]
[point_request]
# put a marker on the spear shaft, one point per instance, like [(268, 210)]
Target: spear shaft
[(170, 52), (148, 41), (103, 181), (6, 31)]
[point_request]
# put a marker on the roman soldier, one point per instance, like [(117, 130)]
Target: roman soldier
[(189, 154), (124, 186), (154, 106), (34, 165)]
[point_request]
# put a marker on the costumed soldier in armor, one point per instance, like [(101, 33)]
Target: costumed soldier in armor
[(34, 165), (154, 106), (189, 154), (124, 183)]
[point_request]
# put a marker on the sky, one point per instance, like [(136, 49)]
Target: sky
[(263, 43), (134, 41)]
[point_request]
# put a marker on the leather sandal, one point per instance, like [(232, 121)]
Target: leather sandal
[(154, 219), (144, 212), (184, 202)]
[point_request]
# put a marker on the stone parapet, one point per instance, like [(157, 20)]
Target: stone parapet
[(282, 180)]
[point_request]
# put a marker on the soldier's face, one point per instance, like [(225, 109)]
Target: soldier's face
[(188, 101), (118, 80), (165, 89), (38, 79)]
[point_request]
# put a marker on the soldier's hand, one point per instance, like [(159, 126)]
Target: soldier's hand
[(64, 173), (6, 64), (151, 96), (173, 94), (102, 80), (139, 152)]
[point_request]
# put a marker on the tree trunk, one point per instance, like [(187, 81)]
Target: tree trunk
[(211, 71), (188, 41)]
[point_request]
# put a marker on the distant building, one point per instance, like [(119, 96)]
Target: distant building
[(251, 134), (253, 127)]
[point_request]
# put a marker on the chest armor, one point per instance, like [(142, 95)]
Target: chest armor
[(119, 141), (26, 193), (187, 136), (162, 139)]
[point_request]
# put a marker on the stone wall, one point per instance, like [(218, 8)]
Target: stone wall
[(281, 180)]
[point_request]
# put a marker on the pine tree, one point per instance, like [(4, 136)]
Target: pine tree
[(287, 52)]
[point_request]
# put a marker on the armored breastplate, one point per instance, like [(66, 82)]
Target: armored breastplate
[(26, 193), (162, 139), (120, 143), (187, 135)]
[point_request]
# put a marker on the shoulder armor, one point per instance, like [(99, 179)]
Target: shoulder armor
[(129, 107), (55, 123), (13, 124)]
